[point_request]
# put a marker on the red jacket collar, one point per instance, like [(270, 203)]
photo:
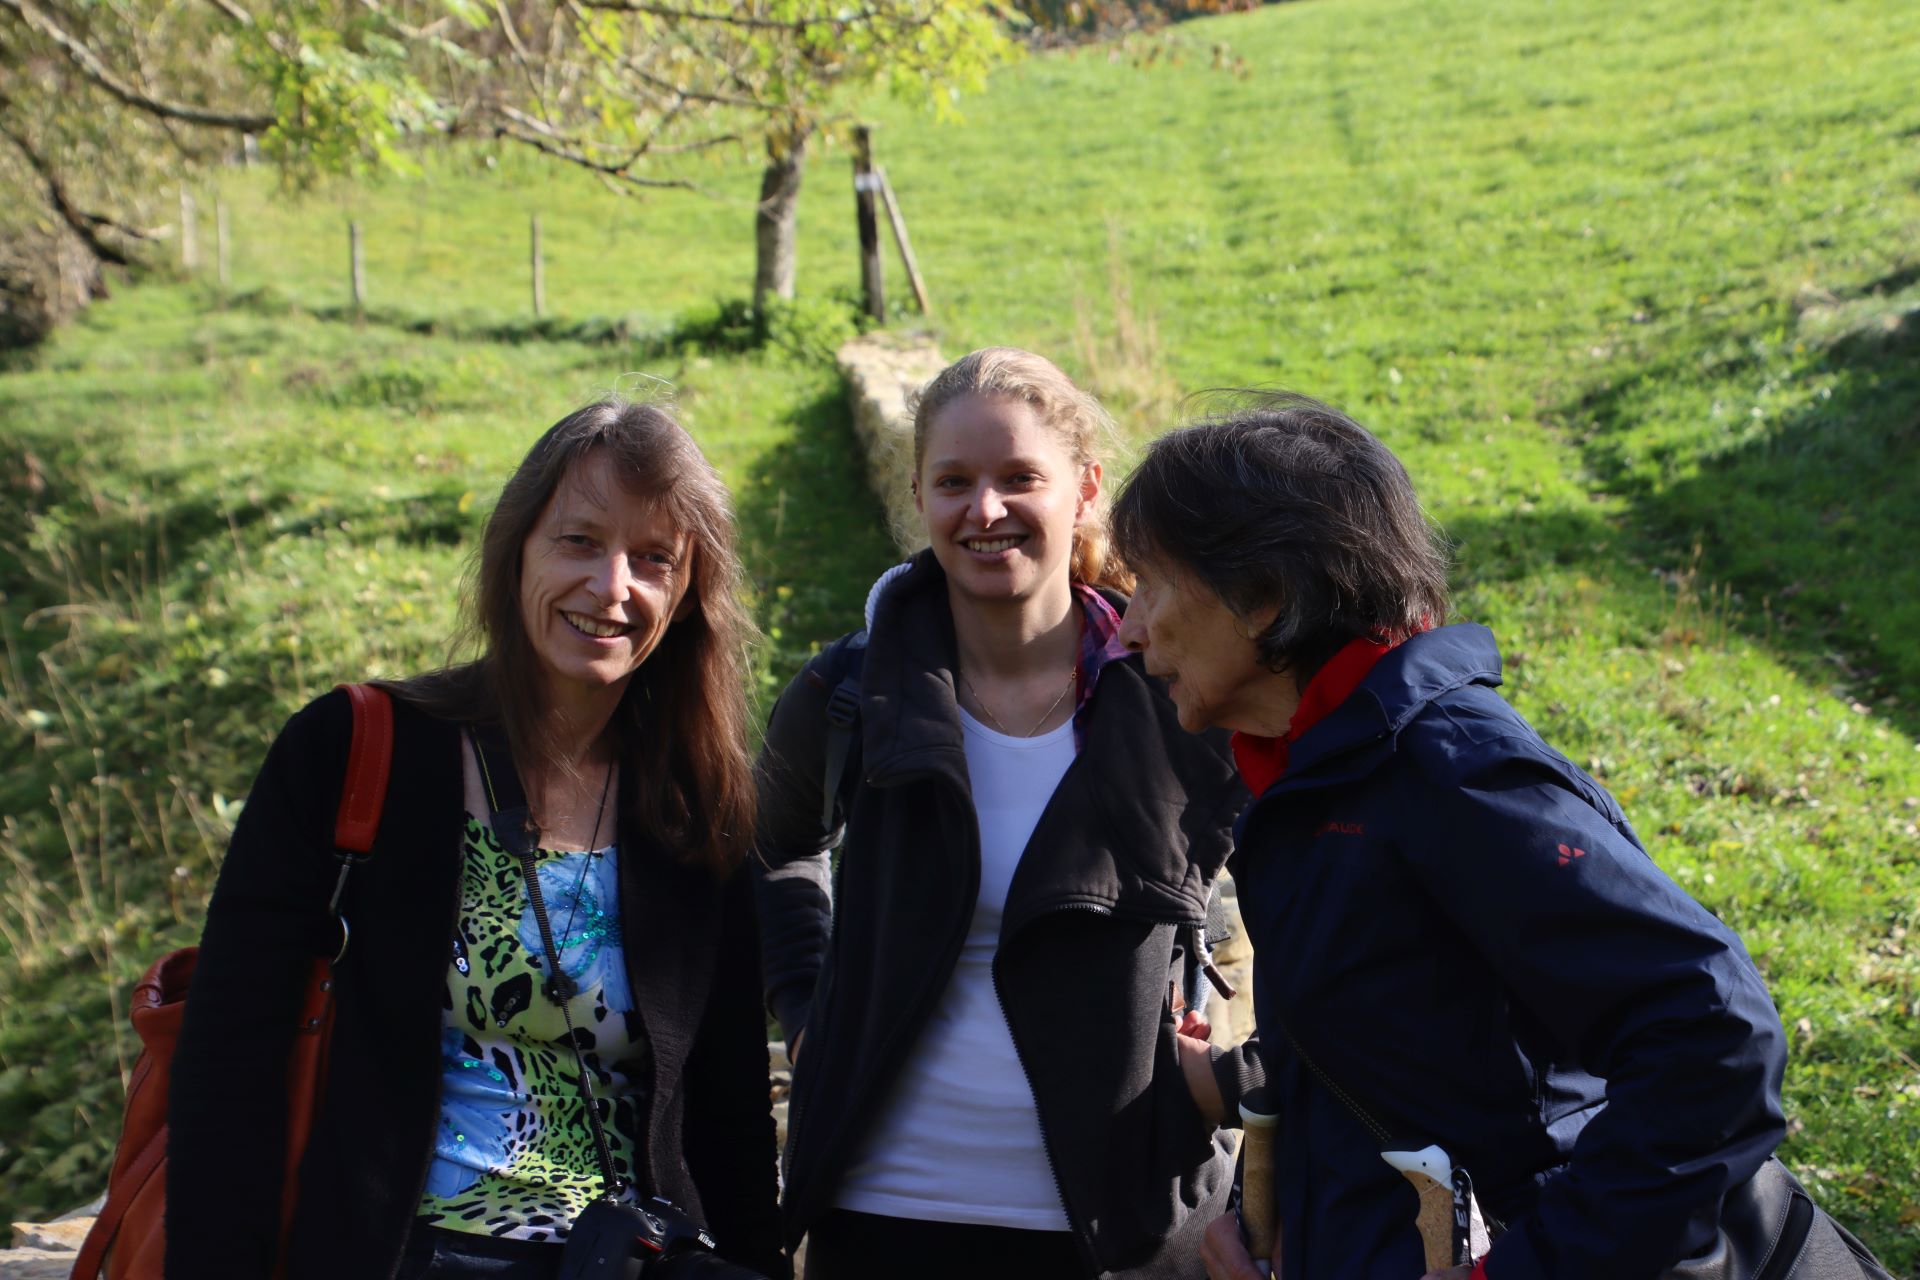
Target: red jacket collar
[(1263, 761)]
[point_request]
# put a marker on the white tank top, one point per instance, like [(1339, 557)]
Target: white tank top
[(958, 1139)]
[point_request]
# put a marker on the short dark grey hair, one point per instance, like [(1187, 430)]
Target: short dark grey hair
[(1283, 500)]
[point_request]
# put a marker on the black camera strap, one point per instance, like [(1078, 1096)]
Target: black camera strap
[(513, 826)]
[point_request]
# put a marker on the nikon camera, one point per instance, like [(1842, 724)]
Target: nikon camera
[(614, 1241)]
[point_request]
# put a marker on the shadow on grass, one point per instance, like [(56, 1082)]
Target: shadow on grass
[(143, 692), (1815, 520), (116, 548), (105, 547), (812, 535), (810, 329)]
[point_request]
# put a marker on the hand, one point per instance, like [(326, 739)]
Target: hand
[(1224, 1253), (1196, 1064), (1195, 1025), (1451, 1273), (793, 1048)]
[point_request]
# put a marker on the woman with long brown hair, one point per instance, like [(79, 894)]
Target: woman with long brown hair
[(554, 909), (985, 1019)]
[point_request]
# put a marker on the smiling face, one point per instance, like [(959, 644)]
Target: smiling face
[(602, 576), (1206, 654), (1001, 494)]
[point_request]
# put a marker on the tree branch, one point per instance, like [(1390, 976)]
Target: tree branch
[(837, 22), (534, 126), (618, 171), (93, 68), (678, 95), (690, 95), (233, 11), (429, 32), (704, 144), (83, 224), (523, 59)]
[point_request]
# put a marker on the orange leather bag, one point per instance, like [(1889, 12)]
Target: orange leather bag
[(128, 1239)]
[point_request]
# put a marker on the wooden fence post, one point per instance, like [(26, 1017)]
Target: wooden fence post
[(899, 224), (189, 232), (359, 266), (864, 183), (539, 274), (220, 239)]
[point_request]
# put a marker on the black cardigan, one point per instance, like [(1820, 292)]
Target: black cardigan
[(1117, 870), (693, 961)]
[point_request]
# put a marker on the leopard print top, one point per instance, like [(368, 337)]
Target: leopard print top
[(514, 1156)]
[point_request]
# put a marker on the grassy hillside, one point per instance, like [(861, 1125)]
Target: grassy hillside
[(1631, 287)]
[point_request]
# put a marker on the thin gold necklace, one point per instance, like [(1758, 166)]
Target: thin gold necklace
[(1053, 706)]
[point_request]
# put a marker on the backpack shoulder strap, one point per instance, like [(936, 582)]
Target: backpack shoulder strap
[(362, 797), (846, 660), (369, 762)]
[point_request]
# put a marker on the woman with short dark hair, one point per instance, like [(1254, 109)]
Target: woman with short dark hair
[(555, 894), (1458, 938)]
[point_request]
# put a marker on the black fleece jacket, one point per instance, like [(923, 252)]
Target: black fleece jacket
[(1119, 866), (693, 962)]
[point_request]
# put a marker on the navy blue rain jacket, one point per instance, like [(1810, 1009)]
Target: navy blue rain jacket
[(1460, 928)]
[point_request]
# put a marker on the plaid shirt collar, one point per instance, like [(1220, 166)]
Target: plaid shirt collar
[(1099, 640), (1099, 645)]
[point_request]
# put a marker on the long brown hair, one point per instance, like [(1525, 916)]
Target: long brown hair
[(682, 720), (1070, 413)]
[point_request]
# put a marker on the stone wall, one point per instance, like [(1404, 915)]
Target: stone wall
[(45, 1250), (883, 373)]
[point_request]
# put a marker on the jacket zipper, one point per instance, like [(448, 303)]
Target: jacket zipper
[(1374, 1128), (1080, 1236)]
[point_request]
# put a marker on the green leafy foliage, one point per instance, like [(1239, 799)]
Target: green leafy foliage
[(640, 95), (345, 94)]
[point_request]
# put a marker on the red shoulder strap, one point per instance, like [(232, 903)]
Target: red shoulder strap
[(369, 760)]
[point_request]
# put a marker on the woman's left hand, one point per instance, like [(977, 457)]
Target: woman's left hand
[(1451, 1273), (1223, 1252), (1196, 1065)]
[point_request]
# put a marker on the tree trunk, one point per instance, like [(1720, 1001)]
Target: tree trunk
[(776, 217)]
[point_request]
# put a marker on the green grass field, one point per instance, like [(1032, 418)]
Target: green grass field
[(1634, 290)]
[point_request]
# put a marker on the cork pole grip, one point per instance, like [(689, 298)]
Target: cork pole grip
[(1257, 1212), (1435, 1219)]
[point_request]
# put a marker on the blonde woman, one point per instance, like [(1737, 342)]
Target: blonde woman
[(985, 1020)]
